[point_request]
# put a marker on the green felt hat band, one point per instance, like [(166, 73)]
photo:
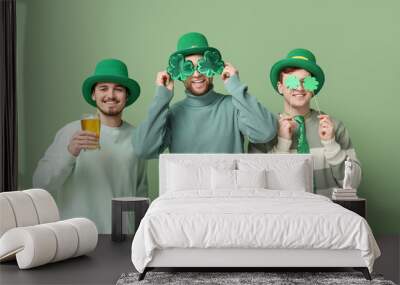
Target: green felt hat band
[(195, 50)]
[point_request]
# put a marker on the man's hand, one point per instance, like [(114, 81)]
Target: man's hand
[(82, 140), (228, 71), (286, 126), (326, 128), (163, 79)]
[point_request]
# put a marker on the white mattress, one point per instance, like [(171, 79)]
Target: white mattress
[(252, 218)]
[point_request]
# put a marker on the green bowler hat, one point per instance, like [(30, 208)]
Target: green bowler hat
[(115, 71), (300, 58), (193, 43)]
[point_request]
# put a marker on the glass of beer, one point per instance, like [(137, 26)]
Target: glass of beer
[(91, 123)]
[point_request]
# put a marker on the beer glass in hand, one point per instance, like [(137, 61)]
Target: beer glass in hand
[(91, 123)]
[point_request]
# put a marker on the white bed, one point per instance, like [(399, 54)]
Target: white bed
[(218, 210)]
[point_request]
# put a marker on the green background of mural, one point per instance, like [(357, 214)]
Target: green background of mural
[(355, 42)]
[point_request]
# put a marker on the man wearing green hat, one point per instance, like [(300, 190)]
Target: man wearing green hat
[(85, 171), (205, 121), (298, 78)]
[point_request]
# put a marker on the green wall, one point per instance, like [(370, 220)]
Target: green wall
[(356, 42)]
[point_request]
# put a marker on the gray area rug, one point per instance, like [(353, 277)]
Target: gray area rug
[(229, 278)]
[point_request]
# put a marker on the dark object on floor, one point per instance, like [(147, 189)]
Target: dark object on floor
[(138, 205)]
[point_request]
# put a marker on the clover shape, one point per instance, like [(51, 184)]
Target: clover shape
[(179, 68), (310, 83), (292, 82), (210, 64)]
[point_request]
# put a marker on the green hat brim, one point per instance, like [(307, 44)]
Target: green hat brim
[(311, 67), (130, 84), (195, 50)]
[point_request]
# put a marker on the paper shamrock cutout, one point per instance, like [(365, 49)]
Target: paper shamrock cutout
[(292, 82), (179, 68), (210, 64), (310, 83)]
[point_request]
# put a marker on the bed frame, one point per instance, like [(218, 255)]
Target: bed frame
[(247, 259)]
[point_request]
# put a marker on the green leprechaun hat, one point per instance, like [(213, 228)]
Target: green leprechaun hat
[(193, 43), (300, 58), (111, 70)]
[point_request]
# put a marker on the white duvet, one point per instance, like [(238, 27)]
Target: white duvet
[(253, 218)]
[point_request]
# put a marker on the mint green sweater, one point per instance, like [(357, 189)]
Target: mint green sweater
[(84, 186), (211, 123)]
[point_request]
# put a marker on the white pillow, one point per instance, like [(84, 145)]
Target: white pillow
[(223, 179), (226, 179), (251, 178), (292, 175), (182, 178), (293, 179), (188, 175)]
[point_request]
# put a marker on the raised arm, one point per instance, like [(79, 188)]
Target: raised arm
[(255, 121), (151, 137)]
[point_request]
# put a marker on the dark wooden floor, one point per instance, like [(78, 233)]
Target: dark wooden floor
[(110, 260)]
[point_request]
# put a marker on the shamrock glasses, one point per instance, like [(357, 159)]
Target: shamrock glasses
[(309, 83), (209, 65)]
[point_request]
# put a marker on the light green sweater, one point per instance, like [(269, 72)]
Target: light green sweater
[(328, 156), (211, 123), (84, 186)]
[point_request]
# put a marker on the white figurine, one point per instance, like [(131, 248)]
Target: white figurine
[(348, 169)]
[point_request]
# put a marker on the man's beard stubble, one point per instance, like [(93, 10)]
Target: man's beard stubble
[(110, 113), (209, 87)]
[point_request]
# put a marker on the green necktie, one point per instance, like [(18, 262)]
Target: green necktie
[(302, 144)]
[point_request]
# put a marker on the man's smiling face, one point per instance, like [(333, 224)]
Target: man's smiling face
[(197, 84), (110, 98), (298, 97)]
